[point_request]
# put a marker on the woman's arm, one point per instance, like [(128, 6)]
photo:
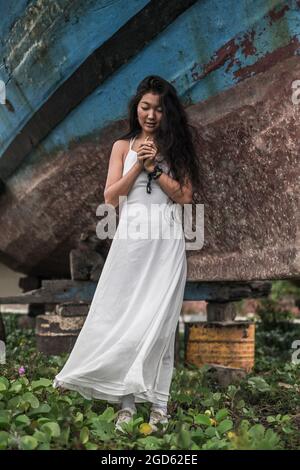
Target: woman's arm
[(172, 188), (116, 184)]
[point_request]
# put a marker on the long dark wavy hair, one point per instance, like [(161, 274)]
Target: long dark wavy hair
[(175, 136)]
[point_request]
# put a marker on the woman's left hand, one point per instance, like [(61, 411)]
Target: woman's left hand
[(150, 162)]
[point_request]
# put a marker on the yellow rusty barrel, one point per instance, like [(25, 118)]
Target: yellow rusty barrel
[(228, 344), (56, 334)]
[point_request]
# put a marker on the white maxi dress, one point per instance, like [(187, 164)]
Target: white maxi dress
[(126, 345)]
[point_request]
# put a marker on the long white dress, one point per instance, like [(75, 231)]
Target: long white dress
[(126, 345)]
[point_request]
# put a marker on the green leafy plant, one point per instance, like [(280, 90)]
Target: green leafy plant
[(262, 411)]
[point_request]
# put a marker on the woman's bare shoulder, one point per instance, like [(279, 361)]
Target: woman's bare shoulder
[(122, 145), (121, 142)]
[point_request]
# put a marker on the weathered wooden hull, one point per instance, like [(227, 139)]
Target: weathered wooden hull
[(66, 104)]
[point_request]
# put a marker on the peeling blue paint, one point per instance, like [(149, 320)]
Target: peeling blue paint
[(188, 53), (50, 58)]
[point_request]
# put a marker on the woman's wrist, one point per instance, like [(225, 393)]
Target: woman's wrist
[(156, 172), (148, 165), (139, 165)]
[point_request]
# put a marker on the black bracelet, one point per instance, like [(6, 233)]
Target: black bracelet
[(156, 172), (153, 175)]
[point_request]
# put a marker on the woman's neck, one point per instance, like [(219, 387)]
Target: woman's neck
[(144, 135)]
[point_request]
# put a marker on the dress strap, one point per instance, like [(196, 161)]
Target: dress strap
[(131, 142)]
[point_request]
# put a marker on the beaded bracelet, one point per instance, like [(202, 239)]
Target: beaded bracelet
[(153, 175)]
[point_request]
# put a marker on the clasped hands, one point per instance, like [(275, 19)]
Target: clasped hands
[(146, 155)]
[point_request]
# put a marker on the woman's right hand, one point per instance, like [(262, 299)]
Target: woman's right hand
[(146, 150)]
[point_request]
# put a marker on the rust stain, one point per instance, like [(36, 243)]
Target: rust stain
[(221, 344), (275, 14), (247, 45), (224, 54), (227, 52), (268, 60)]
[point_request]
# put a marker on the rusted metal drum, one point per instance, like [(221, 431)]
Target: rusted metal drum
[(56, 334), (228, 344)]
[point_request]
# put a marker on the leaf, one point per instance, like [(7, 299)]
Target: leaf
[(91, 446), (259, 384), (78, 418), (4, 384), (14, 402), (271, 419), (184, 439), (31, 399), (210, 432), (42, 409), (16, 387), (240, 404), (257, 431), (103, 430), (231, 391), (194, 447), (51, 427), (24, 380), (28, 443), (108, 414), (84, 435), (287, 430), (197, 434), (221, 414), (65, 399), (41, 436), (22, 420), (214, 444), (43, 420), (202, 419), (3, 439), (225, 426), (64, 435), (4, 418), (270, 441), (44, 446), (41, 383), (217, 396), (150, 442)]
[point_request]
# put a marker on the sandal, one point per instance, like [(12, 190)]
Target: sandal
[(124, 416), (158, 417)]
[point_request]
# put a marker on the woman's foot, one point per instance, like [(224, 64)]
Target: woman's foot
[(157, 417), (124, 416)]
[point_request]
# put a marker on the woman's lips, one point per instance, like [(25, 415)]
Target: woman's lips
[(150, 125)]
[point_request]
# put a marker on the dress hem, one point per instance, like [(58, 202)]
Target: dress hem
[(91, 392)]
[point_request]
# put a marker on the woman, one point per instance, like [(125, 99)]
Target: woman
[(125, 351)]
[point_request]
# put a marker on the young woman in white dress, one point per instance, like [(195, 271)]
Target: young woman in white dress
[(125, 351)]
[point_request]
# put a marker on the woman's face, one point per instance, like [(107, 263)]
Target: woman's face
[(149, 112)]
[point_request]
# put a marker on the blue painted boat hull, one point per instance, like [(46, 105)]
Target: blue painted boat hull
[(234, 65)]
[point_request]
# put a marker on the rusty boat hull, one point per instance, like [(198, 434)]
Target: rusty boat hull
[(69, 69)]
